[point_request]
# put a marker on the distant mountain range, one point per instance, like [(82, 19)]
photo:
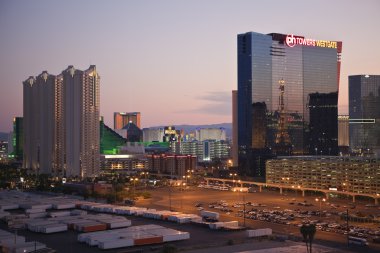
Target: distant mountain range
[(186, 129), (191, 128)]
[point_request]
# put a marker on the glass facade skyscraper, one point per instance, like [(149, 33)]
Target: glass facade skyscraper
[(364, 106), (323, 124), (280, 72)]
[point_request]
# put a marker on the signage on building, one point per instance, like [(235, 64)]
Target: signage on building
[(292, 41), (169, 131)]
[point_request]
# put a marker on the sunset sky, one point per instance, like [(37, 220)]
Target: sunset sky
[(173, 61)]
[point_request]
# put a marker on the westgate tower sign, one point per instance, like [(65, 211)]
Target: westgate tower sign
[(292, 41)]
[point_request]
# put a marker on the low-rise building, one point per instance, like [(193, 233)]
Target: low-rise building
[(202, 134), (124, 162), (205, 151), (173, 165), (3, 151), (353, 175)]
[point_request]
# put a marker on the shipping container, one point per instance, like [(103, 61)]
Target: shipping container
[(259, 232)]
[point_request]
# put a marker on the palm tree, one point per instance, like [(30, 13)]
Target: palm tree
[(308, 233), (304, 232), (312, 231)]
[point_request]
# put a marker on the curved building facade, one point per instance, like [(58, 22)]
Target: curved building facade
[(279, 72)]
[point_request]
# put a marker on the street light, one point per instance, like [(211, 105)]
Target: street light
[(233, 175), (146, 174), (238, 191), (134, 180), (320, 205), (183, 178)]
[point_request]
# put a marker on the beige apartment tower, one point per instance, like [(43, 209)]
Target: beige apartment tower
[(62, 123)]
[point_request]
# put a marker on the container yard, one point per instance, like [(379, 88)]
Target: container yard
[(103, 225), (11, 243), (132, 236)]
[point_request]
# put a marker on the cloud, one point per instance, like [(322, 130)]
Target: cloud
[(219, 103), (217, 96)]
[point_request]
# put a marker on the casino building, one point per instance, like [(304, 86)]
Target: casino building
[(278, 76)]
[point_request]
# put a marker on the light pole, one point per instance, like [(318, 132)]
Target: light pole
[(320, 205), (285, 182), (182, 183), (190, 172), (134, 185), (238, 192), (229, 164), (145, 174), (243, 210), (293, 189), (348, 230), (233, 175)]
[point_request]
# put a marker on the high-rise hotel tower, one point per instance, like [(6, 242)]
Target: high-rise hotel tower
[(121, 119), (61, 123), (364, 104), (277, 76)]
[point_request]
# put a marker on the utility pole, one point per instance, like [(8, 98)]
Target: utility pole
[(170, 198), (170, 186), (243, 210), (348, 230), (15, 237)]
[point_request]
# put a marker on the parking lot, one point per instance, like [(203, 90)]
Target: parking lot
[(200, 237), (283, 213)]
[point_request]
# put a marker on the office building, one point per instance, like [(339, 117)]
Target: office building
[(61, 123), (153, 134), (218, 134), (234, 147), (343, 134), (121, 119), (364, 113), (280, 72), (124, 163), (205, 151), (171, 134), (357, 175), (10, 145), (3, 151), (174, 165), (323, 125), (17, 139)]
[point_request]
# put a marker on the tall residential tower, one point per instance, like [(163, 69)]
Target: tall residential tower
[(61, 123)]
